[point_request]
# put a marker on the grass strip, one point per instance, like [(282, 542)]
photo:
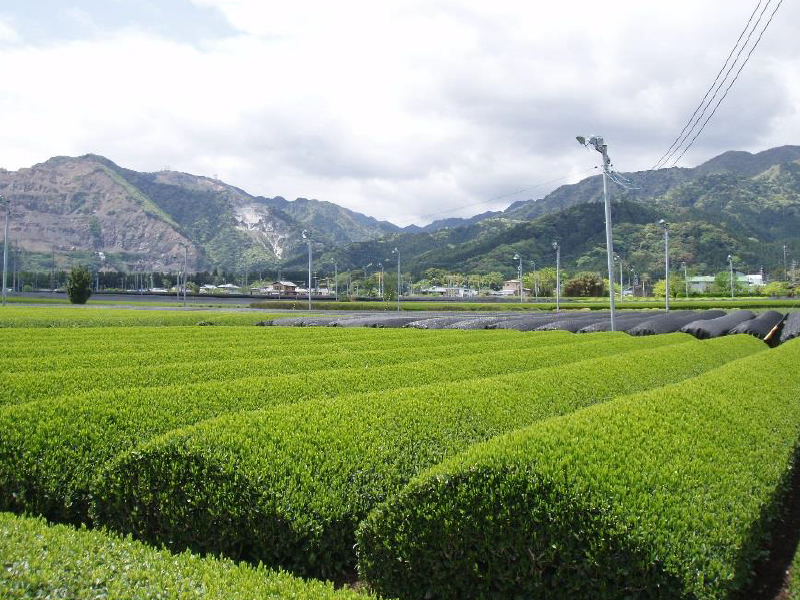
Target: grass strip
[(34, 316)]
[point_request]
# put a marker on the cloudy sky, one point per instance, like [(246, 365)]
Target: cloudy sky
[(404, 110)]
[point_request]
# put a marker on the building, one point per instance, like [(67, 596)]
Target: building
[(511, 287), (701, 284), (284, 287), (705, 283)]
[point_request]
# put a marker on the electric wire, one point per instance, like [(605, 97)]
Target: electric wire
[(684, 134), (747, 58)]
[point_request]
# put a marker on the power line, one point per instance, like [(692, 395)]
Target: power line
[(684, 134), (490, 200), (747, 58)]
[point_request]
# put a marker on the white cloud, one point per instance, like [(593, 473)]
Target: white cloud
[(401, 109), (8, 35)]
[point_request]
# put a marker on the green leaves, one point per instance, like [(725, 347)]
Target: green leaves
[(668, 493), (44, 561), (306, 474)]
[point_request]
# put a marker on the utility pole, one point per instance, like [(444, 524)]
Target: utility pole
[(685, 279), (535, 282), (7, 204), (336, 279), (665, 225), (397, 252), (785, 271), (307, 236), (519, 271), (186, 272), (557, 248), (598, 144), (730, 264)]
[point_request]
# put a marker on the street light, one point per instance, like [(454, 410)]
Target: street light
[(366, 276), (336, 278), (685, 279), (557, 248), (665, 225), (307, 237), (621, 282), (785, 270), (397, 252), (519, 270), (730, 264), (598, 144), (7, 203)]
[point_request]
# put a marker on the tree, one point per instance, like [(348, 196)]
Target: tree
[(676, 287), (79, 285), (776, 289), (722, 284), (586, 285)]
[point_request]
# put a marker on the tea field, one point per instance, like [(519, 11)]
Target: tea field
[(144, 456)]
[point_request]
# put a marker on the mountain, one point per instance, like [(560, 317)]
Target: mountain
[(78, 207), (649, 184), (738, 203), (81, 206)]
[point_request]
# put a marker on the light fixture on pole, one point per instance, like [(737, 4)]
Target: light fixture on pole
[(665, 225), (177, 282), (307, 237), (685, 279), (730, 264), (785, 270), (598, 144), (336, 278), (366, 276), (621, 282), (557, 248), (7, 203), (186, 271), (397, 252), (519, 271)]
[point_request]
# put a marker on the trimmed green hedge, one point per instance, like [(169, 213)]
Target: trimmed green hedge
[(288, 355), (30, 316), (289, 485), (51, 450), (38, 560), (665, 494)]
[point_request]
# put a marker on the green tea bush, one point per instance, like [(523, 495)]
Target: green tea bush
[(38, 560), (306, 355), (289, 485), (665, 494), (28, 316), (51, 450)]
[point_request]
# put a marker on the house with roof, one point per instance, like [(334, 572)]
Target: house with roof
[(284, 287)]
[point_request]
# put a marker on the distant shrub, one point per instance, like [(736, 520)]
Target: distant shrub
[(585, 286), (79, 285)]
